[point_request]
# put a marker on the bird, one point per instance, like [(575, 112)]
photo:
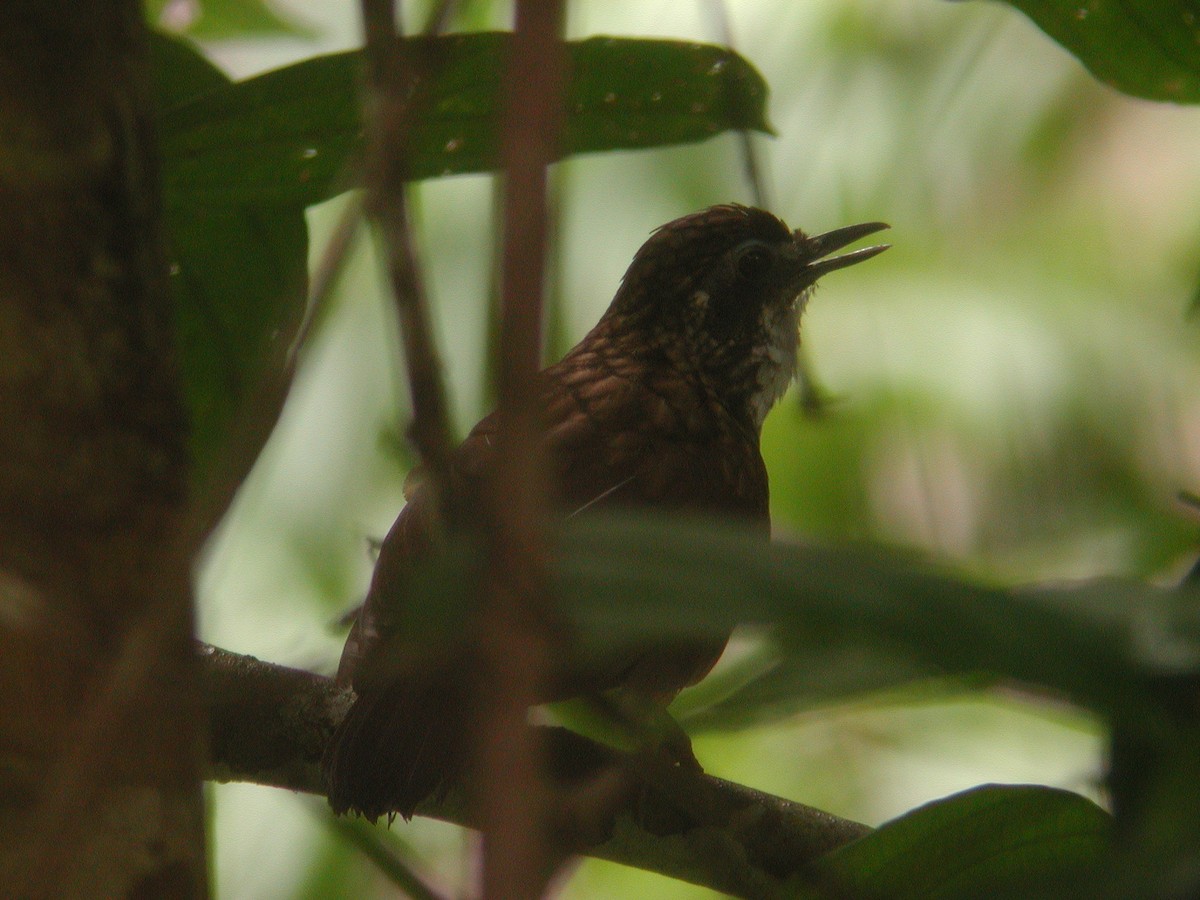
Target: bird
[(661, 406)]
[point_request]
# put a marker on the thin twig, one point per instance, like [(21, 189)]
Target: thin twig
[(324, 279), (395, 97), (753, 171), (438, 19), (512, 803)]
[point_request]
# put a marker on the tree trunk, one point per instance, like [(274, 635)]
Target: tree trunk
[(100, 742)]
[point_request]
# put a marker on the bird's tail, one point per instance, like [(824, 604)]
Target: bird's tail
[(400, 744)]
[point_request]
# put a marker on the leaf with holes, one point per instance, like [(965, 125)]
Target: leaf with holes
[(293, 135), (1147, 48)]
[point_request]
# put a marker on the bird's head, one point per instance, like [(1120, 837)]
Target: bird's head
[(721, 292)]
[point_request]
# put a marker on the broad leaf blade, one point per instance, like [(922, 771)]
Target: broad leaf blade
[(238, 279), (293, 135), (1147, 48), (783, 685), (991, 841), (180, 73), (637, 578)]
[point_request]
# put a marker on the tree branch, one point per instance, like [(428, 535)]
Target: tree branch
[(270, 724)]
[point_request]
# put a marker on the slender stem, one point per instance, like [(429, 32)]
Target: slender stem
[(396, 95), (395, 100), (751, 166), (513, 804)]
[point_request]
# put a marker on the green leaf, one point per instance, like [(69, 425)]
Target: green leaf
[(1147, 48), (1102, 643), (387, 849), (632, 579), (991, 841), (221, 19), (775, 685), (240, 276), (241, 161), (238, 279), (180, 72), (293, 135)]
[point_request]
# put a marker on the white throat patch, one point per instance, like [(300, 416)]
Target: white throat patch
[(776, 362)]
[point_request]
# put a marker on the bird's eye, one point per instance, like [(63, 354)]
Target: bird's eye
[(753, 260)]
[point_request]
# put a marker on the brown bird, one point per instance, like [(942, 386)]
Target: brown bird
[(660, 405)]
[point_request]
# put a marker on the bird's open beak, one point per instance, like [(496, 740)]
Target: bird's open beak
[(819, 247)]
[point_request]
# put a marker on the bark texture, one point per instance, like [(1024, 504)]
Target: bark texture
[(99, 737)]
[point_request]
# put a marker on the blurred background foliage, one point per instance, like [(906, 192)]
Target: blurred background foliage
[(1014, 388)]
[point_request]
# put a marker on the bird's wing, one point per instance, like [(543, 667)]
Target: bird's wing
[(650, 439), (612, 441)]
